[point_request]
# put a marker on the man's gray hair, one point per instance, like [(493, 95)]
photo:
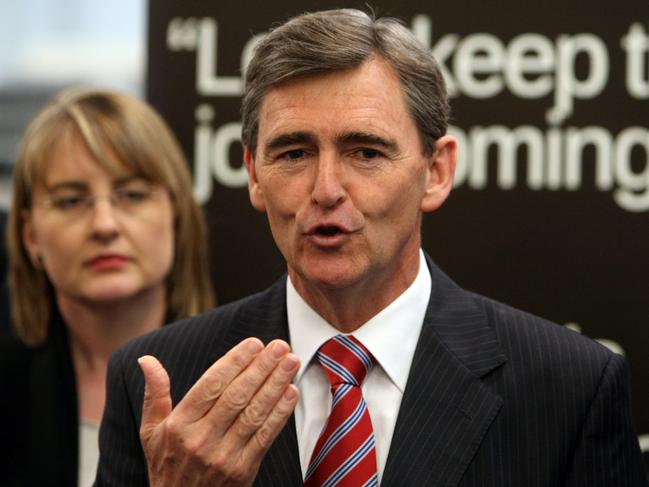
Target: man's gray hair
[(334, 40)]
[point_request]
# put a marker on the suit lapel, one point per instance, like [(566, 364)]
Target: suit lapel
[(446, 408), (267, 321)]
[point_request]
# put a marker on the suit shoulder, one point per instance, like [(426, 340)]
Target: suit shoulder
[(544, 356), (513, 328), (520, 330)]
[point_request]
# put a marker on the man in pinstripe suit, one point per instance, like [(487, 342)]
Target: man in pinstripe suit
[(344, 127)]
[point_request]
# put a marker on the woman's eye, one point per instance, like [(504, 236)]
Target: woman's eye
[(133, 195), (136, 195), (67, 202)]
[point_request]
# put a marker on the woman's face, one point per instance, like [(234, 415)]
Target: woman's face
[(99, 237)]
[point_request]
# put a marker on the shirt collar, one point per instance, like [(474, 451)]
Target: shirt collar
[(398, 323)]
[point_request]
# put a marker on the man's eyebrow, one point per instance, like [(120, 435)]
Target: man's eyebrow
[(292, 138), (369, 139)]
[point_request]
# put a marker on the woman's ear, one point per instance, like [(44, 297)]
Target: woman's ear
[(254, 190), (440, 173), (30, 241)]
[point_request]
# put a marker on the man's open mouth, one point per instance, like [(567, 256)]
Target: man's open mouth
[(328, 230)]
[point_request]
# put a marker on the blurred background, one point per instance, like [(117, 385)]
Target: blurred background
[(48, 44)]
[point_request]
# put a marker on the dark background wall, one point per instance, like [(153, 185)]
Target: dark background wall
[(550, 102)]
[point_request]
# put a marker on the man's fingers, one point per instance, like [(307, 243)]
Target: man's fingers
[(157, 398), (266, 434), (204, 393), (256, 413), (236, 397)]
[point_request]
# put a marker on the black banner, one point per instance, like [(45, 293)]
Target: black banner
[(550, 107)]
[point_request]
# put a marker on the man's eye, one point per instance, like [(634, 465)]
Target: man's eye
[(368, 153), (67, 202), (293, 155)]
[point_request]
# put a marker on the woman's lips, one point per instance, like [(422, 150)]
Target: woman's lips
[(107, 262)]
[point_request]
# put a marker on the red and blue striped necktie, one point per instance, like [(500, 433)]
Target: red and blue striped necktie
[(345, 455)]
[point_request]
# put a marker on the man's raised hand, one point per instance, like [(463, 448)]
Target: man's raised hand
[(220, 431)]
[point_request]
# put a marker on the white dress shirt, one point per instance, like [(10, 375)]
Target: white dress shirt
[(391, 336)]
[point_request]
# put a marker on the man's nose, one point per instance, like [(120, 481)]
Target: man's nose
[(328, 186)]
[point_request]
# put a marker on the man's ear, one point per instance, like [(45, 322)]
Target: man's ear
[(30, 241), (254, 190), (440, 173)]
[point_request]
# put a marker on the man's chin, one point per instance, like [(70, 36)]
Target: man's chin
[(328, 277)]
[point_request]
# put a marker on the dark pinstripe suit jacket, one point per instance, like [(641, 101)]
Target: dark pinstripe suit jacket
[(496, 397)]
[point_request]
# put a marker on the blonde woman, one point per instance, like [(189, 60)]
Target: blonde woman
[(105, 243)]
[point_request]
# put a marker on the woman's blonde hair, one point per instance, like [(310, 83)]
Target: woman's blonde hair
[(106, 121)]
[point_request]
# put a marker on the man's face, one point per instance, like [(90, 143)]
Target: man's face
[(339, 169)]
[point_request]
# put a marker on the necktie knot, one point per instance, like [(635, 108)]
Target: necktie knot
[(345, 360), (345, 454)]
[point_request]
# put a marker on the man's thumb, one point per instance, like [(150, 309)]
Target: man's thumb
[(157, 399)]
